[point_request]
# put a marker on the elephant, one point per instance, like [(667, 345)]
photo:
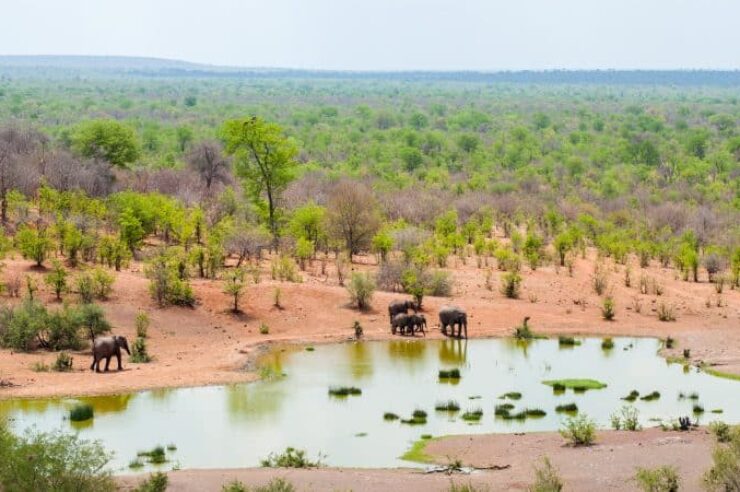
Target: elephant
[(449, 316), (107, 347), (400, 307), (418, 323), (399, 323)]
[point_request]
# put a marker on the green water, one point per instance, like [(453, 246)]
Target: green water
[(235, 426)]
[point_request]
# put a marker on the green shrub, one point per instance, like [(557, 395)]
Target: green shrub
[(511, 395), (721, 431), (52, 461), (344, 391), (724, 475), (662, 479), (567, 408), (390, 416), (155, 456), (85, 288), (665, 312), (607, 344), (142, 324), (139, 354), (510, 285), (57, 278), (81, 412), (628, 418), (21, 326), (361, 288), (156, 482), (568, 341), (449, 374), (579, 431), (472, 415), (546, 478), (607, 309), (447, 406), (633, 395), (102, 283), (264, 329), (284, 269), (655, 395), (290, 458)]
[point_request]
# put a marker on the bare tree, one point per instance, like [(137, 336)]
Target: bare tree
[(246, 243), (353, 215), (15, 144), (207, 159)]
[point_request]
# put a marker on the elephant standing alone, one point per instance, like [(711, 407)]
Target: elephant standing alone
[(107, 347), (449, 316)]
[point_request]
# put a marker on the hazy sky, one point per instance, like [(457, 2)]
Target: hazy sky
[(385, 34)]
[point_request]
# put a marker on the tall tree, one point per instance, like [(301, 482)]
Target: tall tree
[(264, 159), (206, 159), (353, 216), (107, 140), (15, 143)]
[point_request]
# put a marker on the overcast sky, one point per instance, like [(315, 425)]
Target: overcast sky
[(385, 34)]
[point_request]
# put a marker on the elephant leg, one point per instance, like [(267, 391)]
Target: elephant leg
[(118, 356), (92, 367), (465, 326), (107, 363)]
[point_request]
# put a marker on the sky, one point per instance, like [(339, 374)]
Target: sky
[(385, 34)]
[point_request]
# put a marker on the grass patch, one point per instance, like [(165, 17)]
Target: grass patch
[(447, 406), (607, 344), (534, 413), (342, 391), (512, 395), (473, 415), (417, 452), (390, 416), (135, 464), (310, 349), (720, 374), (575, 384), (697, 409), (567, 408), (717, 410), (655, 395), (419, 417), (516, 416), (568, 341), (449, 374), (81, 412)]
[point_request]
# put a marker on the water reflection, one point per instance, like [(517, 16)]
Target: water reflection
[(453, 352), (360, 360)]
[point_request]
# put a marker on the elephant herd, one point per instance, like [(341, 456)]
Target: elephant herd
[(451, 318)]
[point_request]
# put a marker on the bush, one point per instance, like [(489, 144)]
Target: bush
[(547, 478), (724, 475), (63, 363), (102, 283), (627, 419), (275, 485), (600, 279), (665, 312), (290, 458), (284, 269), (607, 309), (662, 479), (580, 430), (264, 329), (52, 461), (139, 354), (21, 327), (361, 288), (166, 286), (721, 431), (142, 324), (81, 412), (157, 482), (86, 288), (389, 276), (510, 285), (57, 279), (34, 244)]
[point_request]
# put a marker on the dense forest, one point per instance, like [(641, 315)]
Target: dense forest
[(216, 167)]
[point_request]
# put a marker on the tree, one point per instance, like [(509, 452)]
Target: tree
[(15, 144), (130, 229), (34, 244), (107, 140), (264, 159), (308, 222), (92, 318), (563, 243), (352, 214), (57, 279), (235, 285), (206, 158)]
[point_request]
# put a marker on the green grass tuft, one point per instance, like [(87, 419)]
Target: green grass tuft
[(342, 391), (575, 384), (512, 395), (81, 412), (567, 408)]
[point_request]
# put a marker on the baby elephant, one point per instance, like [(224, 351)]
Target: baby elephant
[(418, 323), (107, 347)]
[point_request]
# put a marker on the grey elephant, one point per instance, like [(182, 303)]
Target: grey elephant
[(399, 323), (400, 307), (418, 322), (107, 347), (451, 316)]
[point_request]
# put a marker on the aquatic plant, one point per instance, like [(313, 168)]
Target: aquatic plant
[(503, 410), (81, 412), (607, 344), (447, 406), (472, 415), (568, 341), (698, 409), (567, 408), (310, 349), (155, 456), (135, 464), (669, 342), (290, 458), (634, 394), (579, 384), (449, 374), (535, 412), (419, 414), (511, 395), (390, 416), (171, 447), (655, 395), (344, 391), (156, 482)]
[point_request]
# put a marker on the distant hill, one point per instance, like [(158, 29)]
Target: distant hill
[(51, 66)]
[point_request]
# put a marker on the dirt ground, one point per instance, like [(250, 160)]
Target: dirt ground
[(608, 465), (210, 345)]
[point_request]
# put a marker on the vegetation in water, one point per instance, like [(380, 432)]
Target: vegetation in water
[(511, 395), (654, 395), (473, 415), (344, 391), (449, 374), (447, 406), (632, 396), (575, 384), (156, 456), (607, 344), (156, 482), (567, 408), (81, 412), (564, 341)]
